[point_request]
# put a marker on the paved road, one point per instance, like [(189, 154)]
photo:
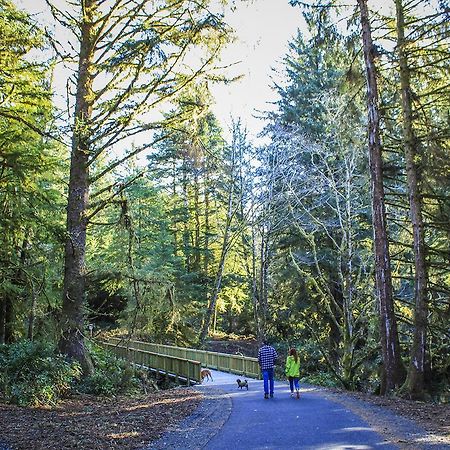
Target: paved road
[(312, 422), (233, 419)]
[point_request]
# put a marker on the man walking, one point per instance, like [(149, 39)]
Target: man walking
[(267, 356)]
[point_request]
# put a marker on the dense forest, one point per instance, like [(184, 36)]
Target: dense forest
[(125, 204)]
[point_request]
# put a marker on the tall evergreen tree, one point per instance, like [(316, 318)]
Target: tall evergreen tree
[(131, 59), (30, 191), (390, 347), (319, 196), (417, 365)]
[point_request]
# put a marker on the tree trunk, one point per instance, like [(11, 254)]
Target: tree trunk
[(263, 283), (336, 333), (414, 382), (392, 364), (251, 270), (2, 320), (226, 235), (217, 285), (186, 233), (206, 257), (255, 293), (32, 315), (196, 262), (72, 315), (174, 219), (207, 233), (6, 320), (347, 280)]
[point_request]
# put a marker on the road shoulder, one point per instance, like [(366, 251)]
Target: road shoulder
[(196, 430), (407, 434)]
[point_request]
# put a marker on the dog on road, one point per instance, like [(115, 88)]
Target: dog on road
[(206, 373), (242, 384)]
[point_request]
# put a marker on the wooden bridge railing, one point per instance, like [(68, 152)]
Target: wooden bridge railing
[(241, 365), (172, 366)]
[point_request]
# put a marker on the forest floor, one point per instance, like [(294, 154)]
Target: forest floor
[(434, 418), (245, 346), (86, 422)]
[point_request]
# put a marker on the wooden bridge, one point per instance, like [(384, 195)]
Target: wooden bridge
[(180, 362)]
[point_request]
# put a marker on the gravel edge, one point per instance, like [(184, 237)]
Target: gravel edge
[(403, 432), (196, 430)]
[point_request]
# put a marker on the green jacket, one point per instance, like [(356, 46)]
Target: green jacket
[(292, 367)]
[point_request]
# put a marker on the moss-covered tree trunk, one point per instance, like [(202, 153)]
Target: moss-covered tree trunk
[(414, 381), (6, 320), (72, 319), (390, 347)]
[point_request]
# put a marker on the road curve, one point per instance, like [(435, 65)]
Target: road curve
[(235, 419), (312, 422)]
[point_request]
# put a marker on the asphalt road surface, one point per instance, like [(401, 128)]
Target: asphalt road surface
[(282, 422), (230, 418)]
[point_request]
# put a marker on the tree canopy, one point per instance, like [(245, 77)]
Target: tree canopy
[(130, 207)]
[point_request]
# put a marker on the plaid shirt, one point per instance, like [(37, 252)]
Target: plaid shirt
[(266, 357)]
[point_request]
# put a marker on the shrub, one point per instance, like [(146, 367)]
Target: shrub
[(33, 375), (321, 379), (112, 375)]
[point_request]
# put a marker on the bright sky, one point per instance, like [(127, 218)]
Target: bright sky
[(263, 29)]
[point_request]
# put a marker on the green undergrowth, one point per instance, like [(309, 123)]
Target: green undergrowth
[(112, 376), (34, 374), (321, 379)]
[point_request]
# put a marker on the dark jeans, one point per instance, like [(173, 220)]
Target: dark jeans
[(293, 381), (268, 378)]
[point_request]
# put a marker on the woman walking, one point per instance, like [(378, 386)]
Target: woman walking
[(293, 371)]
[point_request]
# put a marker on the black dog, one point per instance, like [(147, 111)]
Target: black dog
[(242, 384)]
